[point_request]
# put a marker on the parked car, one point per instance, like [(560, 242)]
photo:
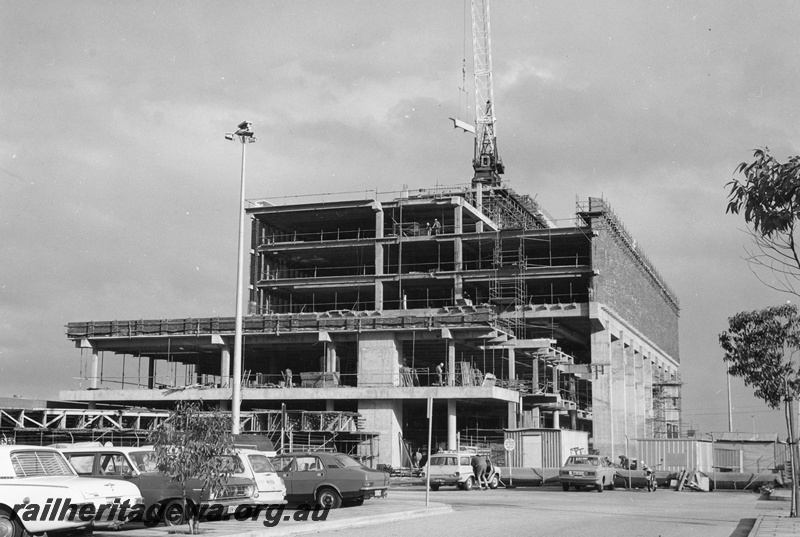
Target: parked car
[(328, 479), (137, 465), (587, 471), (270, 488), (455, 468), (41, 478)]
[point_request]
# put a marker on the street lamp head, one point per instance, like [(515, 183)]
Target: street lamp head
[(245, 125), (229, 136)]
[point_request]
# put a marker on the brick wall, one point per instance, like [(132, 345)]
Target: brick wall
[(628, 288)]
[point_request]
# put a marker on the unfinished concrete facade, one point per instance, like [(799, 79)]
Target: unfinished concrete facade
[(354, 304)]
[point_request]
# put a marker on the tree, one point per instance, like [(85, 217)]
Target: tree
[(769, 197), (193, 444), (760, 347)]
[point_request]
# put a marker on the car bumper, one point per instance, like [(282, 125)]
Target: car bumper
[(370, 492), (272, 497), (580, 480), (446, 480)]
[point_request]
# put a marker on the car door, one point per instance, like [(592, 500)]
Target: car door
[(310, 471), (285, 467)]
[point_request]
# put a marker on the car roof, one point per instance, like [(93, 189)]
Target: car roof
[(248, 451), (94, 449), (307, 453)]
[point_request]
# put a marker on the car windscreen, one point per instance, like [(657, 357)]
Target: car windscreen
[(443, 461), (260, 464), (31, 463)]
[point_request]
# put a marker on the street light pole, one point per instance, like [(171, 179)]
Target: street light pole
[(246, 136)]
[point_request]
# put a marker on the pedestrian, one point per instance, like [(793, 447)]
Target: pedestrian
[(287, 376), (479, 471), (416, 458), (440, 374), (436, 226)]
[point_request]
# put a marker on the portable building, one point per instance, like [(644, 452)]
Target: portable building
[(544, 448)]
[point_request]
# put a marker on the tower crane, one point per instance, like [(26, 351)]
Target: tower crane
[(486, 162)]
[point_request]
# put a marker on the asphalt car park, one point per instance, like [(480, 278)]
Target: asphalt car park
[(542, 510)]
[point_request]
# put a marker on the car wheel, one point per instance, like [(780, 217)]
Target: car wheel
[(327, 498), (434, 487), (565, 486), (173, 513), (599, 487), (468, 483), (611, 485), (10, 526), (495, 482)]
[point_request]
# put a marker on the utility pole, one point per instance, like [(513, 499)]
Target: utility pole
[(246, 136)]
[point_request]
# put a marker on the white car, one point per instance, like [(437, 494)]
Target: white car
[(257, 466), (40, 492)]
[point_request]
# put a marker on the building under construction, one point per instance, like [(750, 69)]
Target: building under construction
[(355, 303), (368, 307)]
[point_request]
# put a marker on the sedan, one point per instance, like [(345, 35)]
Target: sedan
[(40, 492), (328, 480), (587, 470)]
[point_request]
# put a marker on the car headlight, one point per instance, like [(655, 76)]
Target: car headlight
[(249, 490)]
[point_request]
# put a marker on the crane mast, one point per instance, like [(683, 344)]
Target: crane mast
[(486, 162)]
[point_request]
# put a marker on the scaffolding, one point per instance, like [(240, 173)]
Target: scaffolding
[(509, 294), (666, 420), (287, 430)]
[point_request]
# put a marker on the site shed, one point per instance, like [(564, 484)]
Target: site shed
[(675, 454), (544, 448), (748, 452)]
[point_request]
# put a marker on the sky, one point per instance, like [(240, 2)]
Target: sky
[(120, 193)]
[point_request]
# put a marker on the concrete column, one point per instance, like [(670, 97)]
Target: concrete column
[(511, 422), (330, 358), (631, 404), (603, 425), (385, 417), (378, 296), (649, 415), (535, 377), (451, 424), (556, 419), (329, 407), (94, 379), (378, 360), (457, 246), (512, 364), (641, 409), (225, 367), (618, 399), (451, 362), (151, 373)]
